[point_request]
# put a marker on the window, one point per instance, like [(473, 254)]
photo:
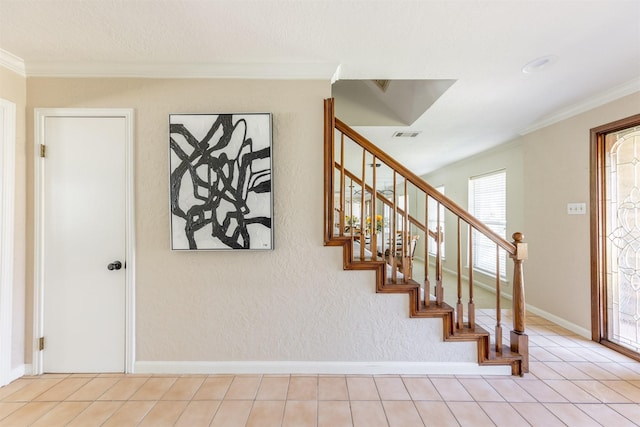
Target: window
[(488, 203), (433, 222)]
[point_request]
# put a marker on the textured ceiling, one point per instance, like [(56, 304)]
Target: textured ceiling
[(482, 45)]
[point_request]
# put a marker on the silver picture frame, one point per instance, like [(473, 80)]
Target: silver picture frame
[(220, 179)]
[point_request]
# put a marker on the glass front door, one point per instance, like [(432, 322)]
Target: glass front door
[(618, 236)]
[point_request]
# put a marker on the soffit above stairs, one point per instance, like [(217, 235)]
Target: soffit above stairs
[(400, 103)]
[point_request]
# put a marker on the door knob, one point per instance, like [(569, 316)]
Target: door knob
[(116, 265)]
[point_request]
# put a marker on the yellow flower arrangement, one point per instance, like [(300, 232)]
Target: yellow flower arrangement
[(378, 223), (351, 220)]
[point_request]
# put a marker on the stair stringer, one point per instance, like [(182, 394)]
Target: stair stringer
[(417, 309)]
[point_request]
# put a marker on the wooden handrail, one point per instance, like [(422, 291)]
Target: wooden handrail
[(424, 186)]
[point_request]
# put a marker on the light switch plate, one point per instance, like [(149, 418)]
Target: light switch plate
[(576, 208)]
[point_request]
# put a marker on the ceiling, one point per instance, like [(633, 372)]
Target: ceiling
[(480, 47)]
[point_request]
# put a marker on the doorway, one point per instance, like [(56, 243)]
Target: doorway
[(7, 206), (615, 235), (83, 314)]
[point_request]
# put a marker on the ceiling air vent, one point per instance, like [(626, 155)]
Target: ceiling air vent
[(406, 134), (382, 84)]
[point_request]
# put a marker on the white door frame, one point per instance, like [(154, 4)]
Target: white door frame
[(38, 295), (7, 208)]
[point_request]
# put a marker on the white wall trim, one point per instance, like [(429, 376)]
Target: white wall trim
[(293, 71), (39, 167), (589, 104), (12, 62), (7, 210), (19, 371), (585, 333), (336, 368), (130, 244)]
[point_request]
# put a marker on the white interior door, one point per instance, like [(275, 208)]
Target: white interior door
[(84, 219)]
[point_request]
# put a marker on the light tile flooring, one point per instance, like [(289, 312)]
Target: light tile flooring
[(572, 382)]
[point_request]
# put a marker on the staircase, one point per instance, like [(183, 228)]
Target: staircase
[(386, 218)]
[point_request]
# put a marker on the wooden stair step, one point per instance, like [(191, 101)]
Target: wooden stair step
[(434, 310), (505, 358), (505, 355), (468, 333)]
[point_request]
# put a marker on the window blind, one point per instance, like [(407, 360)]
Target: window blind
[(488, 203)]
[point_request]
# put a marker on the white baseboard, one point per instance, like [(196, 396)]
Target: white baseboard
[(19, 371), (319, 368), (585, 333)]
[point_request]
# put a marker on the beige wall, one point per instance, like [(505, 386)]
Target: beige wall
[(546, 169), (296, 303), (455, 179), (13, 87), (291, 304), (556, 165)]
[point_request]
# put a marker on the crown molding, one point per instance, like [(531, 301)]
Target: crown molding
[(12, 62), (294, 71), (336, 74), (603, 98)]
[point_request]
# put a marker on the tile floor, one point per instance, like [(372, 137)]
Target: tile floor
[(573, 382)]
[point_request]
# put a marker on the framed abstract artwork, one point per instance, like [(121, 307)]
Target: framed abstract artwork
[(221, 187)]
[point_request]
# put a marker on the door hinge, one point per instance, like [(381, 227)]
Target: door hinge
[(43, 150), (41, 343)]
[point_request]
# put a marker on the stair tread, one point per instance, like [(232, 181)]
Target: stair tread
[(433, 310), (506, 354), (466, 331)]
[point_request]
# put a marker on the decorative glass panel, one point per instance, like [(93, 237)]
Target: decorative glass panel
[(623, 237)]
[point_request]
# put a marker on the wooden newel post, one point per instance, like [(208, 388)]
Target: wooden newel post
[(519, 340)]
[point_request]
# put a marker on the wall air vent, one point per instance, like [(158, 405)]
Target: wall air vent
[(406, 134), (382, 84)]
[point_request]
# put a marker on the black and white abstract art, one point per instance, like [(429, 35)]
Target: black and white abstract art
[(220, 179)]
